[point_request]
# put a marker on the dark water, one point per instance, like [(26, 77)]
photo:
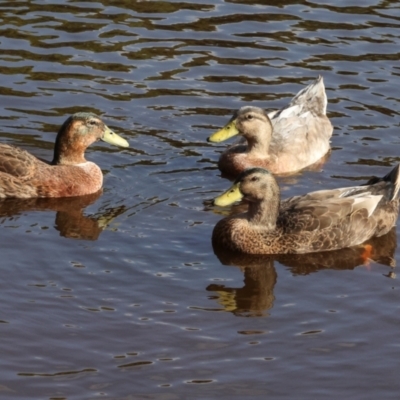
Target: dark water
[(121, 296)]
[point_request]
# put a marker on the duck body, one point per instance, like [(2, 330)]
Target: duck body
[(318, 221), (22, 175), (31, 177), (285, 141)]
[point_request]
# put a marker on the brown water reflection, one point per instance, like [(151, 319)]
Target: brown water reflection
[(70, 220), (256, 297)]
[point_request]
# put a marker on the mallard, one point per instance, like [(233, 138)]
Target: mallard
[(317, 221), (22, 175), (283, 141)]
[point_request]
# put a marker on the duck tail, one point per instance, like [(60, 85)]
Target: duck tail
[(314, 95), (394, 178)]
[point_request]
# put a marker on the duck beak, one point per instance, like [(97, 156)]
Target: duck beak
[(111, 137), (225, 133), (230, 196)]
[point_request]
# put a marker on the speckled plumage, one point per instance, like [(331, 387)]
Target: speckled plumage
[(22, 175), (318, 221), (283, 141)]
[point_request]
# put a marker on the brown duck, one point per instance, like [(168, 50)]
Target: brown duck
[(283, 141), (22, 175), (317, 221)]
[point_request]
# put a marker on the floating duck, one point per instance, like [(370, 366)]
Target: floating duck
[(317, 221), (283, 141), (22, 175)]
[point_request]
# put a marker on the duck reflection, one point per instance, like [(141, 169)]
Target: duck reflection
[(70, 220), (256, 297), (257, 294)]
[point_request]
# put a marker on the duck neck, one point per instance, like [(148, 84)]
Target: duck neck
[(64, 156), (68, 151), (259, 144), (264, 213)]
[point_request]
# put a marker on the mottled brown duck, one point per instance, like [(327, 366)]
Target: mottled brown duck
[(22, 175), (283, 141), (317, 221)]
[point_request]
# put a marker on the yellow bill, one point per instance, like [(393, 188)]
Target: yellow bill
[(230, 196), (225, 133), (111, 137)]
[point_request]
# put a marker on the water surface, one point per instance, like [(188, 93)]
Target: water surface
[(120, 296)]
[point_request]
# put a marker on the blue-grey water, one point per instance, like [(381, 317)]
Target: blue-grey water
[(120, 296)]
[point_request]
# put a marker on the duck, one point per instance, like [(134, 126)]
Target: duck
[(282, 141), (22, 175), (323, 220)]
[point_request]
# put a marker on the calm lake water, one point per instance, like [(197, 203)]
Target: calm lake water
[(120, 296)]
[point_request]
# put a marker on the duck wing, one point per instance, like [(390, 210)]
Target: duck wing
[(294, 130), (17, 162), (309, 215), (374, 203), (302, 129)]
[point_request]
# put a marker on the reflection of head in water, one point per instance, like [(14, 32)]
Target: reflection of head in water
[(256, 296)]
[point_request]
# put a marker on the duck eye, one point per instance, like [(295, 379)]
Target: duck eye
[(92, 122), (249, 117), (255, 178)]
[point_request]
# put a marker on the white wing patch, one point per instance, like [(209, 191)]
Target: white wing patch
[(368, 202)]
